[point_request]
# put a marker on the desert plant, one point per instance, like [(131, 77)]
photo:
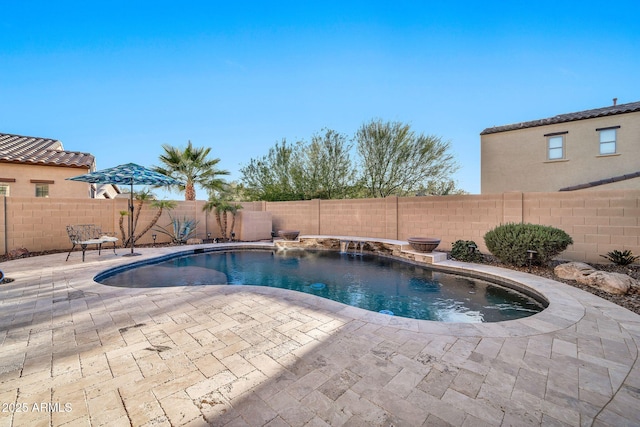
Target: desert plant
[(461, 251), (510, 243), (625, 257), (179, 230)]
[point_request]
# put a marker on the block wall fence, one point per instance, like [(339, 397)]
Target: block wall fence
[(598, 221)]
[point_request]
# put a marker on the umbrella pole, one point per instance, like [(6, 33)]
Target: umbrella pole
[(131, 219), (131, 231)]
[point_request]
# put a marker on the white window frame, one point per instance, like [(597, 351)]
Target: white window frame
[(44, 188), (608, 145), (5, 190), (556, 151)]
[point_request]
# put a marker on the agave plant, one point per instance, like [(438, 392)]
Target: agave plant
[(625, 257), (179, 230)]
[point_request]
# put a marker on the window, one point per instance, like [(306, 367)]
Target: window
[(42, 190), (608, 140), (556, 147), (42, 187), (4, 190)]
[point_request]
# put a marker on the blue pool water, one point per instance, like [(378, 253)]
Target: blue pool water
[(368, 281)]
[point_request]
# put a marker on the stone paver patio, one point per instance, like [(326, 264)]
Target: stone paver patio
[(74, 352)]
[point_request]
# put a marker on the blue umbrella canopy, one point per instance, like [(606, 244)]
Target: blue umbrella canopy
[(128, 174)]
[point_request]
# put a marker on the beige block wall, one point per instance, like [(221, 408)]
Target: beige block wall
[(254, 225), (598, 222), (450, 218), (358, 217), (302, 216), (40, 224), (517, 160), (61, 188)]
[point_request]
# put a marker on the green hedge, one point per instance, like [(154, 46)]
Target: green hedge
[(510, 243)]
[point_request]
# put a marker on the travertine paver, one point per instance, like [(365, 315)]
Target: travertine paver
[(74, 352)]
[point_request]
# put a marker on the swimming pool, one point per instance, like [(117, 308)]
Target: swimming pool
[(367, 281)]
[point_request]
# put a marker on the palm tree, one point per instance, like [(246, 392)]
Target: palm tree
[(160, 205), (142, 196), (214, 204), (121, 225), (220, 207), (191, 166), (233, 208)]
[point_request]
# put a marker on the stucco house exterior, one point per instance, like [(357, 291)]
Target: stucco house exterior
[(596, 149), (37, 167)]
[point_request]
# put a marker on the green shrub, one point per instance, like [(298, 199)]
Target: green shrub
[(621, 258), (460, 251), (510, 243)]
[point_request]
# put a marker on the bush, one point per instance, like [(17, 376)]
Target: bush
[(460, 251), (510, 243), (621, 258)]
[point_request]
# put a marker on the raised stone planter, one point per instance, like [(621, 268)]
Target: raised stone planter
[(423, 244), (289, 234)]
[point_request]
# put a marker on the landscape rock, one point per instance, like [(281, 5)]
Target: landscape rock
[(573, 270), (18, 253), (614, 283)]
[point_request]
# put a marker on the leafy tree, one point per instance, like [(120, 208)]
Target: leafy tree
[(276, 176), (394, 160), (302, 171), (440, 188), (327, 169), (191, 166)]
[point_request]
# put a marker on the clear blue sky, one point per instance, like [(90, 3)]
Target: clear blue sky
[(118, 79)]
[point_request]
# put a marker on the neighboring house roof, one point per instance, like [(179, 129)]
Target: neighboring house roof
[(570, 117), (41, 151), (602, 182), (107, 191)]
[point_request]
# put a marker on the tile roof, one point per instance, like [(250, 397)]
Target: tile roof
[(570, 117), (602, 182), (41, 151)]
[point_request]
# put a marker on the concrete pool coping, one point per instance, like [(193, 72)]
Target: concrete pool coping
[(265, 356)]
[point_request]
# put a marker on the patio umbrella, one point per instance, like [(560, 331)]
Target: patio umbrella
[(130, 174)]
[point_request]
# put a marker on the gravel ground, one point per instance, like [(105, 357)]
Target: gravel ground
[(631, 301)]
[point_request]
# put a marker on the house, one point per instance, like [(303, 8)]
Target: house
[(107, 191), (595, 149), (37, 167)]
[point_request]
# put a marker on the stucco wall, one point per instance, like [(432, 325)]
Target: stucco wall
[(61, 188), (517, 160)]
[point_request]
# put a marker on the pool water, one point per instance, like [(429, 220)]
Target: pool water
[(367, 281)]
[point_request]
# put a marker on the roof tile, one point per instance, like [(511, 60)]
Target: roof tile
[(570, 117), (40, 151)]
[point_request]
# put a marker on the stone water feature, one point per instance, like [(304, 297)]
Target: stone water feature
[(356, 247), (362, 245)]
